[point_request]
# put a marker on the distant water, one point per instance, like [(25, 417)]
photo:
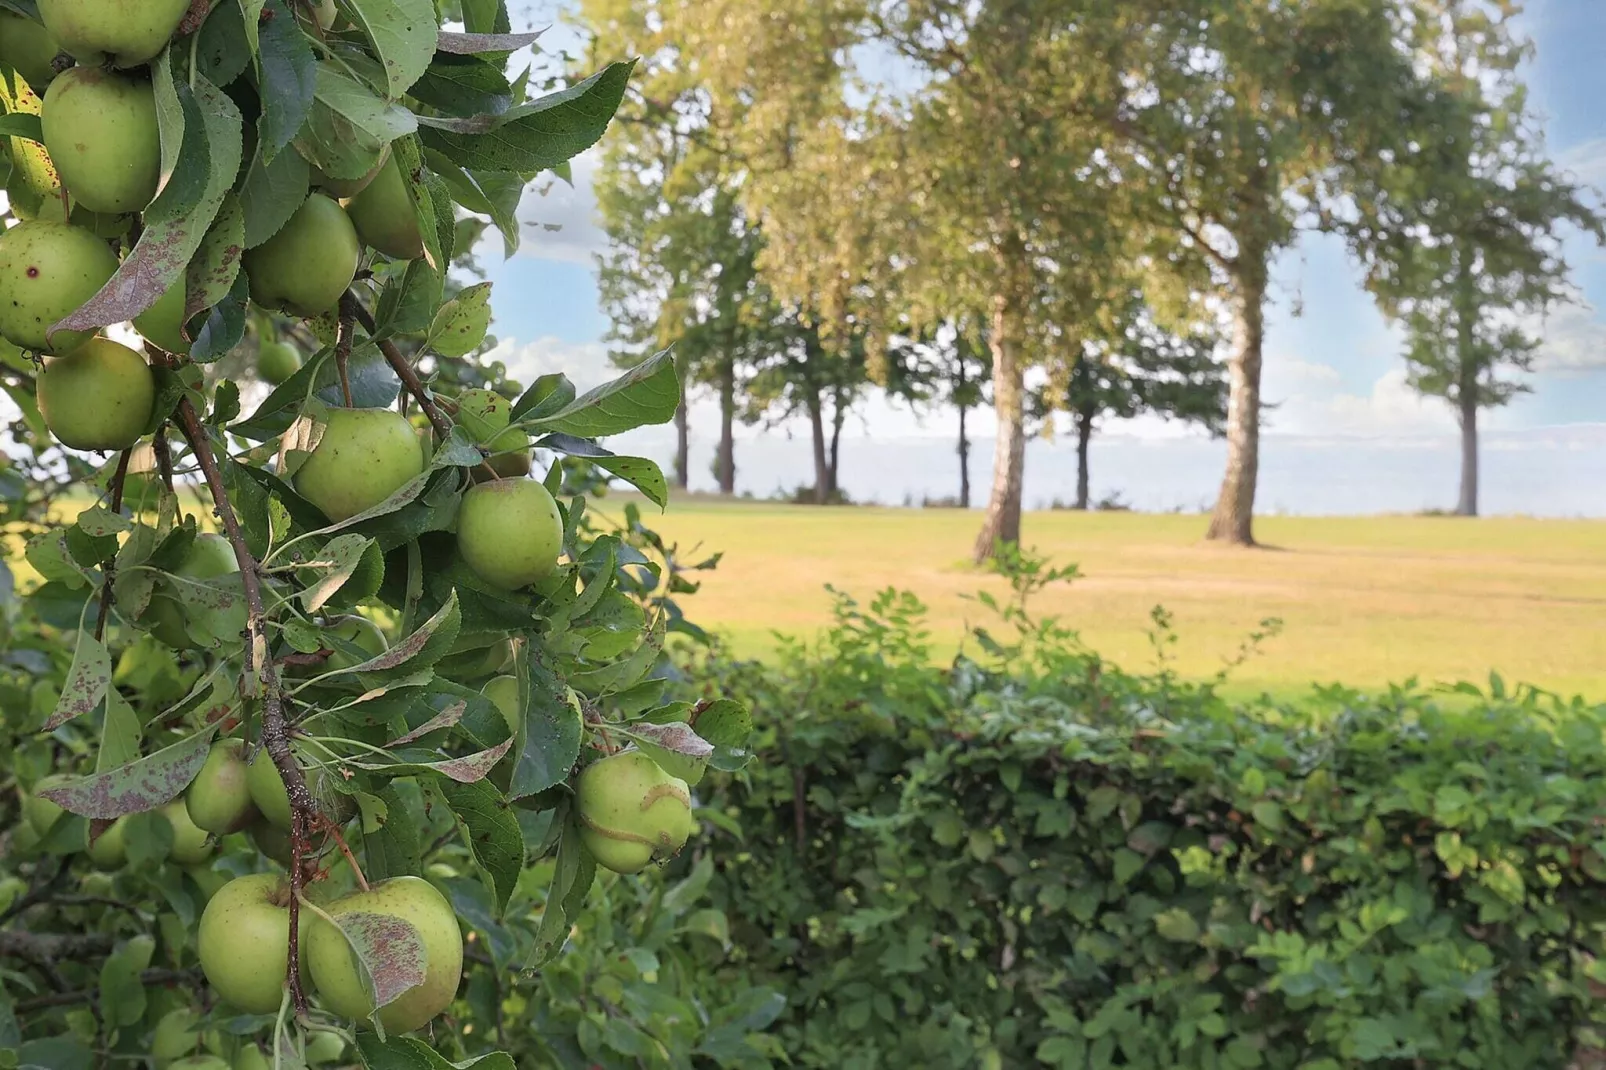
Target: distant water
[(1550, 472)]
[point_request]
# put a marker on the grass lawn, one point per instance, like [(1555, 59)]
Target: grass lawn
[(1364, 601)]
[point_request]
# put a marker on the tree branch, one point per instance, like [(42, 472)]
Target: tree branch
[(275, 730), (399, 364), (44, 949), (88, 995), (343, 348)]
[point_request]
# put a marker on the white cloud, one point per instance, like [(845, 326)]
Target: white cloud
[(1574, 339), (585, 363), (559, 221), (1586, 161)]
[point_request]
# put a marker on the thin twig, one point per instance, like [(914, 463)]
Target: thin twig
[(275, 731), (89, 995), (343, 346), (351, 859), (46, 948), (109, 572), (164, 457)]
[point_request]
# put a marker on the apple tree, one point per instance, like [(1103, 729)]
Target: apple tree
[(304, 693)]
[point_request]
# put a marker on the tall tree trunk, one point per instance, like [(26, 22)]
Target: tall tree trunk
[(725, 459), (1467, 391), (1084, 435), (682, 444), (1468, 505), (822, 468), (1234, 517), (964, 459), (839, 416), (1002, 523)]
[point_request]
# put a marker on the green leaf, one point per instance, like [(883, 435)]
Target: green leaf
[(407, 303), (122, 996), (177, 221), (119, 738), (214, 609), (461, 323), (493, 834), (547, 395), (373, 385), (140, 785), (424, 647), (223, 52), (550, 743), (98, 520), (406, 1053), (542, 133), (348, 97), (463, 85), (21, 124), (211, 274), (332, 566), (87, 681), (649, 393), (639, 472), (571, 881), (729, 727), (273, 190), (392, 849), (403, 34), (289, 77), (1177, 925)]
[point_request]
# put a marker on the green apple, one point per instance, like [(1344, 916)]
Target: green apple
[(305, 267), (338, 977), (28, 48), (632, 812), (42, 813), (129, 32), (199, 1062), (362, 633), (484, 416), (100, 129), (509, 532), (271, 798), (33, 173), (218, 799), (349, 187), (252, 1057), (243, 941), (209, 880), (325, 1047), (98, 397), (110, 849), (384, 215), (277, 361), (163, 322), (504, 695), (177, 1036), (191, 844), (47, 271), (364, 456), (209, 556)]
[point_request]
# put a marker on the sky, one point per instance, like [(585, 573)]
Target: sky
[(1344, 431)]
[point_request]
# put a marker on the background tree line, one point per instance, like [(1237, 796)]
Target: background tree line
[(1067, 209)]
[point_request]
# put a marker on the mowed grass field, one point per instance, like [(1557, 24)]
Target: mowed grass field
[(1364, 601)]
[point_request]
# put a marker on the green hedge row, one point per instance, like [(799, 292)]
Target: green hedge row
[(1033, 859)]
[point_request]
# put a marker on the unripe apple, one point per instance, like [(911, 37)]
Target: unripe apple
[(325, 1047), (305, 267), (98, 397), (177, 1036), (243, 941), (338, 978), (252, 1057), (48, 270), (28, 48), (384, 214), (209, 556), (632, 812), (509, 532), (219, 799), (191, 845), (110, 850), (199, 1062), (100, 129), (364, 456), (33, 173), (163, 322), (277, 361), (482, 414), (349, 187), (209, 880), (503, 692), (361, 632), (130, 32), (42, 813)]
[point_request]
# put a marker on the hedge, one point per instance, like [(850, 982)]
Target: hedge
[(1031, 858)]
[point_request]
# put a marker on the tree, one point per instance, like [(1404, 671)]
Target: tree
[(401, 667), (948, 369), (1470, 266), (1251, 121), (1139, 367)]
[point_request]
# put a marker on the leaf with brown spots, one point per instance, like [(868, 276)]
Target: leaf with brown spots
[(142, 784), (445, 719), (675, 746), (468, 44), (468, 769), (216, 264), (403, 34), (87, 681), (389, 949), (492, 833), (424, 647), (177, 221)]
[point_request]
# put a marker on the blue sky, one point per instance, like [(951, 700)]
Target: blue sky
[(1332, 364)]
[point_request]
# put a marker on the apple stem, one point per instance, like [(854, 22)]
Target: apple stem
[(351, 859), (406, 372), (257, 656), (109, 569), (343, 349)]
